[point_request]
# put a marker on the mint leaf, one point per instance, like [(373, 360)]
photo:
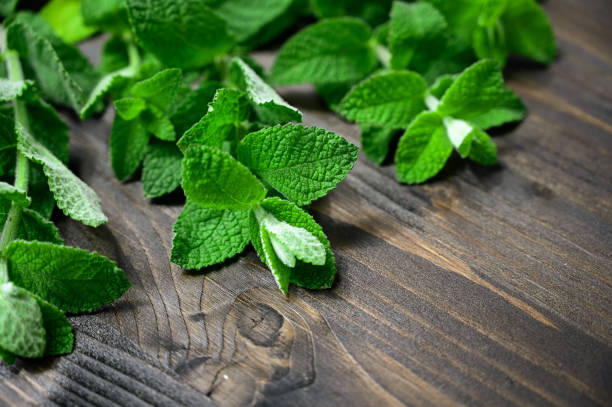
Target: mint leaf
[(461, 15), (110, 15), (490, 42), (34, 227), (372, 11), (160, 89), (303, 274), (335, 50), (8, 357), (423, 149), (52, 76), (7, 7), (528, 31), (14, 194), (128, 145), (57, 328), (48, 127), (302, 163), (72, 279), (129, 108), (390, 99), (246, 18), (216, 180), (161, 169), (114, 55), (482, 150), (375, 142), (66, 19), (21, 323), (208, 236), (440, 86), (43, 201), (11, 90), (185, 34), (193, 107), (479, 96), (158, 124), (268, 105), (417, 33), (225, 114), (289, 242), (107, 84), (72, 195)]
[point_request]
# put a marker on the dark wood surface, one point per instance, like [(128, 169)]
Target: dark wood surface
[(486, 287)]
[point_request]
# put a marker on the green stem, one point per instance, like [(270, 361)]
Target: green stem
[(22, 169), (383, 54), (133, 55)]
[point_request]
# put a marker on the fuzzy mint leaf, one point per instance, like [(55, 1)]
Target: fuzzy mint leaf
[(7, 7), (128, 145), (72, 195), (21, 323), (11, 90), (32, 226), (390, 99), (72, 279), (335, 50), (58, 331), (480, 97), (305, 275), (228, 110), (372, 11), (161, 169), (111, 15), (185, 34), (302, 163), (129, 108), (14, 194), (158, 124), (482, 149), (48, 127), (52, 75), (204, 236), (189, 109), (107, 84), (268, 105), (423, 149), (160, 89), (216, 180), (246, 18)]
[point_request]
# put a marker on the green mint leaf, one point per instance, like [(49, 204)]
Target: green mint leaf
[(482, 150), (161, 169), (305, 275), (423, 149), (8, 357), (457, 132), (185, 34), (21, 323), (107, 84), (111, 15), (14, 194), (34, 227), (114, 55), (226, 112), (216, 180), (375, 142), (204, 236), (268, 105), (246, 18), (66, 19), (48, 127), (289, 242), (461, 15), (130, 108), (335, 50), (440, 86), (72, 195), (57, 328), (333, 93), (71, 279), (479, 96), (302, 163), (191, 108), (7, 7), (43, 201), (52, 76), (372, 11), (528, 31), (417, 34), (128, 145), (161, 89), (490, 43), (390, 99), (158, 124), (11, 90)]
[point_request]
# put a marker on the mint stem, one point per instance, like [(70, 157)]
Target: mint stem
[(383, 54), (22, 169)]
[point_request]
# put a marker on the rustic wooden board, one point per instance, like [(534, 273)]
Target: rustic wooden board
[(484, 287)]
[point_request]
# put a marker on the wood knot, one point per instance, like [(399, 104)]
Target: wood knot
[(260, 323)]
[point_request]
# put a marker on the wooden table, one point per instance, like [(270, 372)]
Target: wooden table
[(483, 287)]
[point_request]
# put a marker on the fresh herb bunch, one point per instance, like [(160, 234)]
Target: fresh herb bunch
[(201, 116), (418, 72), (40, 278)]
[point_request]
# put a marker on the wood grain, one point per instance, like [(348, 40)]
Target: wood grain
[(483, 287)]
